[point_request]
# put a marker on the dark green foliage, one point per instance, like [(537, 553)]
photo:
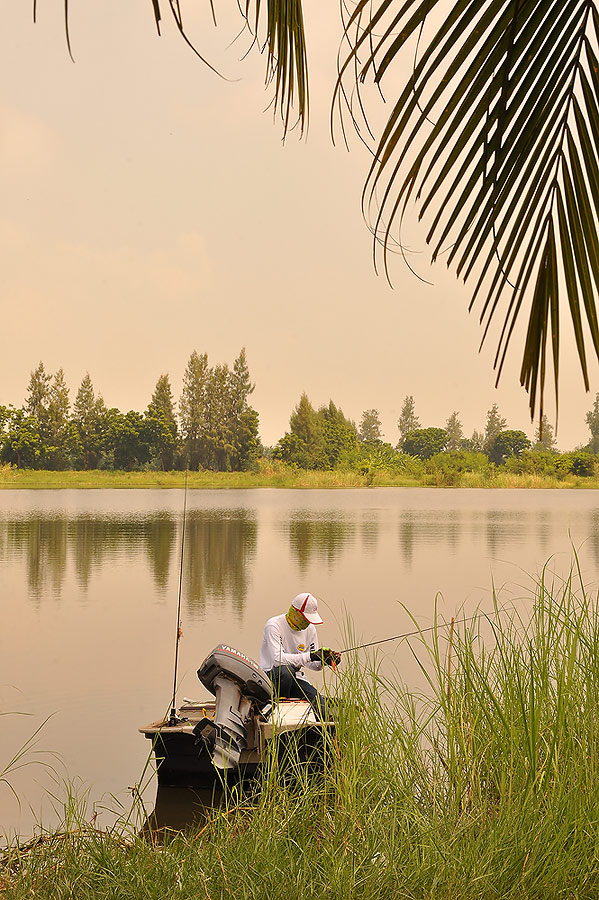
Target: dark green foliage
[(536, 462), (507, 443), (22, 442), (317, 440), (162, 425), (128, 440), (219, 428), (579, 462), (447, 468), (425, 442), (90, 421)]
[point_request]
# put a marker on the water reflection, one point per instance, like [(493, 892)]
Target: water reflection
[(319, 535), (178, 809), (220, 547), (219, 550), (432, 528)]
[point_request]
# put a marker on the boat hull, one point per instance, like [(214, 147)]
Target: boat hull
[(183, 760)]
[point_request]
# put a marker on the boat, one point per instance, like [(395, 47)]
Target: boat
[(224, 740)]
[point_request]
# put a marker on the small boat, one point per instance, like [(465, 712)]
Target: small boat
[(224, 740)]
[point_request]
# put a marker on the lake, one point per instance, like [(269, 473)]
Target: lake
[(90, 583)]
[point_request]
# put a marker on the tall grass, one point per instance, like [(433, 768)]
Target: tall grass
[(484, 784), (278, 475)]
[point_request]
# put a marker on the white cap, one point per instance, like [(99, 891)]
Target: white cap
[(307, 604)]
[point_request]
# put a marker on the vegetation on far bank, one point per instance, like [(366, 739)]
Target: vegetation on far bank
[(268, 474), (483, 784), (213, 429)]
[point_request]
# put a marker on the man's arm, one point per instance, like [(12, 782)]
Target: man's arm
[(273, 647)]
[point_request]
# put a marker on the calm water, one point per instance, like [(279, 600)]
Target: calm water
[(89, 583)]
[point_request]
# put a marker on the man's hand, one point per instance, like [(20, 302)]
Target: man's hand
[(326, 657)]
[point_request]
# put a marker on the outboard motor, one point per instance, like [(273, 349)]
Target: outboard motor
[(238, 683)]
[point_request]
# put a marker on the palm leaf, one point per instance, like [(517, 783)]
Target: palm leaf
[(283, 42), (495, 139)]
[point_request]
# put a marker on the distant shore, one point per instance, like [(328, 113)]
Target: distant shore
[(35, 479)]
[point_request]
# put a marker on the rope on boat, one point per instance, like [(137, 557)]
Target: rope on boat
[(173, 709)]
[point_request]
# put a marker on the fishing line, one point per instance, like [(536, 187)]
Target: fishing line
[(173, 710), (407, 634)]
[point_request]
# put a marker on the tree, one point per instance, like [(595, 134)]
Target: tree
[(22, 442), (455, 432), (129, 439), (408, 420), (544, 437), (61, 434), (217, 440), (192, 407), (244, 426), (38, 396), (592, 420), (303, 444), (507, 443), (425, 442), (90, 418), (340, 436), (495, 425), (476, 442), (162, 424), (370, 427)]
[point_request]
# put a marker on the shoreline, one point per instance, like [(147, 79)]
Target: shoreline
[(33, 479)]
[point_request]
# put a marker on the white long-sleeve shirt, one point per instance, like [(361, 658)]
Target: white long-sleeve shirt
[(282, 646)]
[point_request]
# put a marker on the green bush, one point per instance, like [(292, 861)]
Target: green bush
[(579, 462)]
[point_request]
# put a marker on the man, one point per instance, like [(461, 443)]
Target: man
[(289, 643)]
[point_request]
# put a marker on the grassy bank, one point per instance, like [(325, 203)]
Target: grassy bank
[(279, 476), (485, 786)]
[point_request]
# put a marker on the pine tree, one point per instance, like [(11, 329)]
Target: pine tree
[(303, 444), (495, 424), (61, 436), (477, 441), (370, 427), (162, 424), (90, 418), (217, 440), (244, 424), (408, 420), (455, 432), (192, 407), (544, 436), (38, 396)]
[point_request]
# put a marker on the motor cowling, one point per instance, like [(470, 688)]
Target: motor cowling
[(225, 660), (238, 684)]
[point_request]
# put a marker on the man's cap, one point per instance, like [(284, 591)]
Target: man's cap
[(307, 604)]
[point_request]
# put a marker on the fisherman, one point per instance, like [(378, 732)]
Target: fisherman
[(289, 643)]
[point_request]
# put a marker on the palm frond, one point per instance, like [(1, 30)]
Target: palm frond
[(284, 43), (495, 139)]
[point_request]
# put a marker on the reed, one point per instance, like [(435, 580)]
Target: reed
[(484, 783)]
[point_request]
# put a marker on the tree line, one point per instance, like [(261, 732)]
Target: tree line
[(325, 438), (215, 426)]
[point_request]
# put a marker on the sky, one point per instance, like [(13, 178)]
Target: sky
[(150, 208)]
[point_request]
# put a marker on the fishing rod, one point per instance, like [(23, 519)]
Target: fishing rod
[(407, 634), (173, 717)]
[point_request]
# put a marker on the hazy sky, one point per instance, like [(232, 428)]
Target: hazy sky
[(149, 208)]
